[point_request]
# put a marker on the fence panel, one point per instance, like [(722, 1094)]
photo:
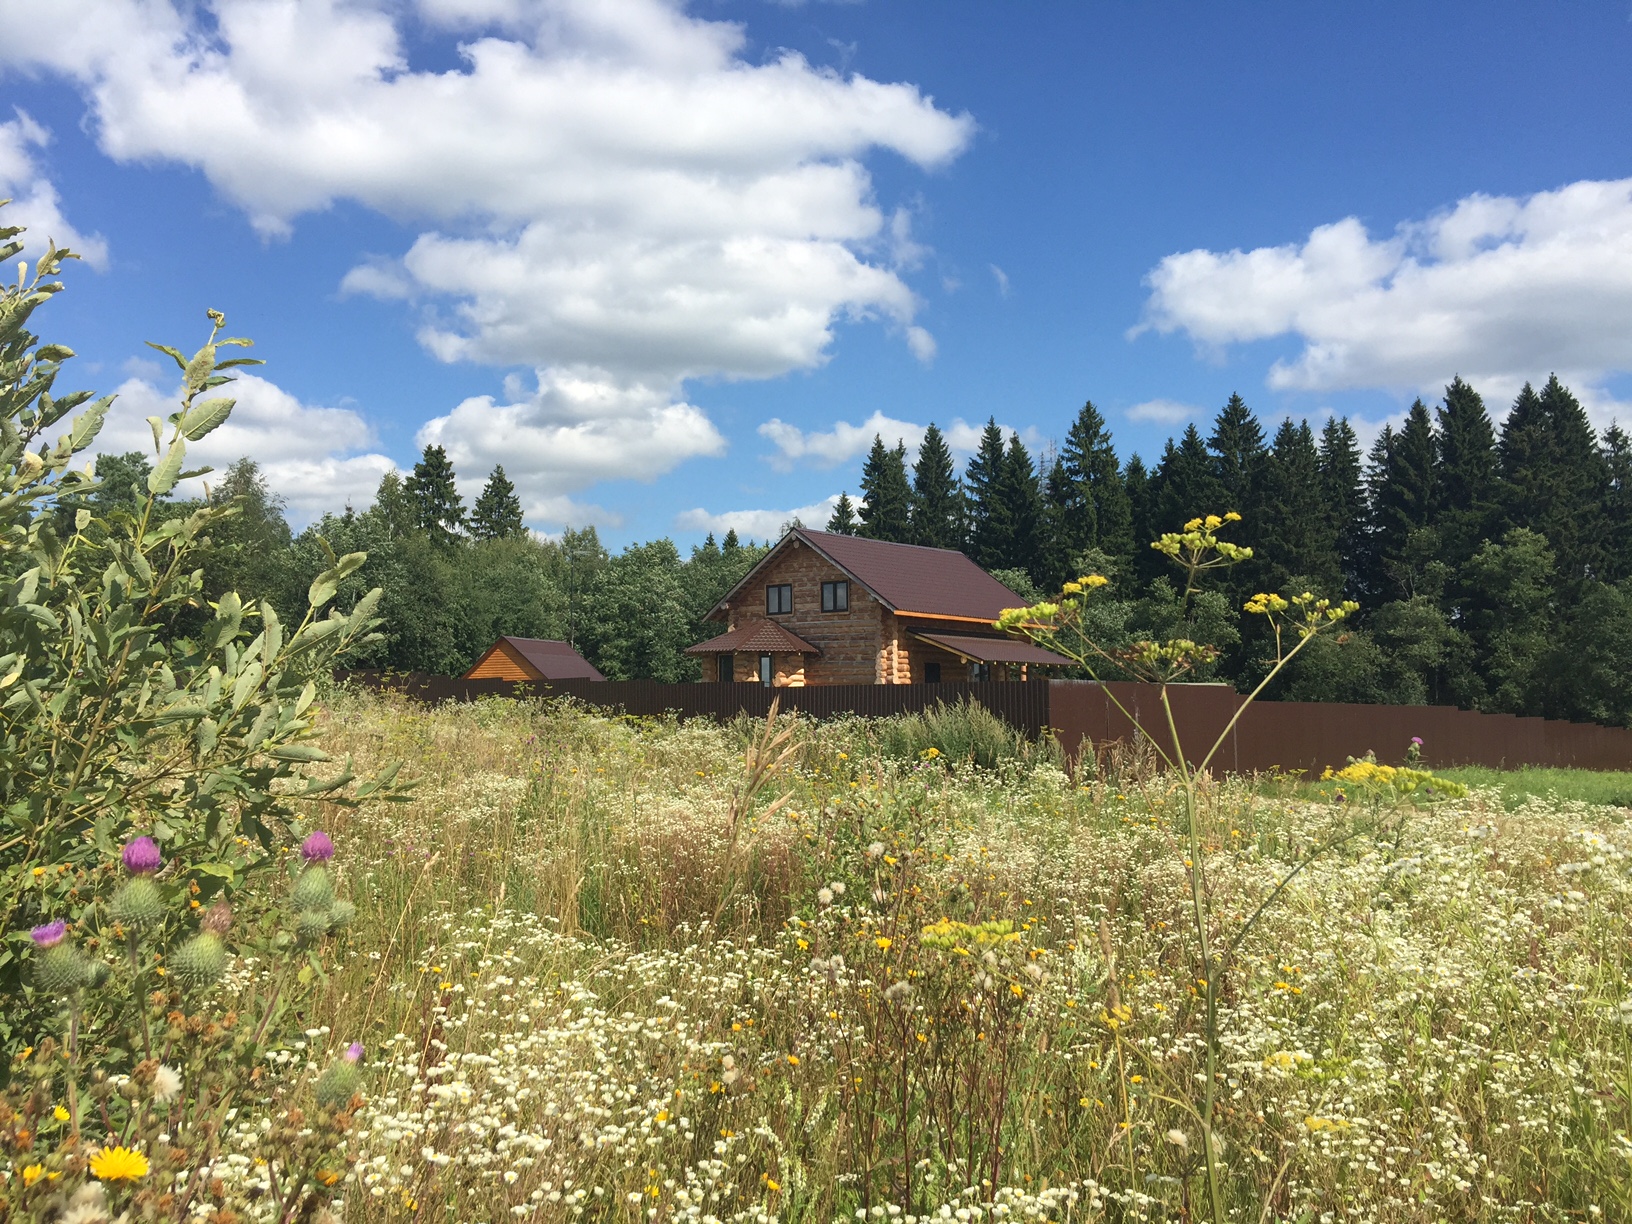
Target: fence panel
[(1289, 735)]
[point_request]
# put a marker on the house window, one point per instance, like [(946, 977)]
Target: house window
[(779, 599), (723, 665), (979, 672), (835, 597), (767, 673), (932, 673)]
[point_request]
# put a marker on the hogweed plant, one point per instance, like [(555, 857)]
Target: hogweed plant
[(1198, 551), (127, 1111)]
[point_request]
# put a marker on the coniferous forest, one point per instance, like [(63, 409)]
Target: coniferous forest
[(1491, 563)]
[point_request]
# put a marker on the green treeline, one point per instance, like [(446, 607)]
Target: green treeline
[(1491, 564)]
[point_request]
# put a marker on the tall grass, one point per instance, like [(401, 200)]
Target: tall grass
[(951, 981)]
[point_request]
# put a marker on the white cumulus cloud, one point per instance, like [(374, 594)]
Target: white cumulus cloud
[(827, 448), (757, 524), (606, 186), (1163, 411), (35, 203), (1499, 289), (315, 457)]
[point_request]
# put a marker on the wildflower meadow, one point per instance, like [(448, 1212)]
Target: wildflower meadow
[(596, 979)]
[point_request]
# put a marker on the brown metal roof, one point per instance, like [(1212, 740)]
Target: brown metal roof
[(756, 637), (995, 650), (554, 660), (906, 578)]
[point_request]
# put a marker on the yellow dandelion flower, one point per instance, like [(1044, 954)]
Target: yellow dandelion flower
[(60, 1114), (118, 1164), (33, 1174), (883, 943)]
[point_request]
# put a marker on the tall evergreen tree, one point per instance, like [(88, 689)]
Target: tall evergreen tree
[(1342, 490), (886, 503), (1469, 489), (1096, 512), (497, 512), (1136, 480), (1188, 483), (1023, 494), (1056, 557), (1239, 456), (937, 504), (1294, 514), (1403, 507), (990, 518), (433, 497), (1617, 524), (1554, 476), (843, 521)]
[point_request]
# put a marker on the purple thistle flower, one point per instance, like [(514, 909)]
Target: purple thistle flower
[(317, 848), (141, 856), (1417, 740), (50, 934), (354, 1052)]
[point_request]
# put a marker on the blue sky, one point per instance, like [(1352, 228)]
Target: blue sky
[(673, 265)]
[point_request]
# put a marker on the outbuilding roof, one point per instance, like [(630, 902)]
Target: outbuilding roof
[(908, 579), (994, 650), (552, 660), (756, 637)]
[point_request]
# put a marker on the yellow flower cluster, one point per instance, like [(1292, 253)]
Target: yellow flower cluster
[(1200, 538), (1403, 781), (954, 936)]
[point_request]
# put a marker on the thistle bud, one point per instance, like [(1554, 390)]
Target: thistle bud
[(312, 925), (138, 903), (59, 969), (338, 1084), (218, 918), (200, 961), (340, 915), (313, 890)]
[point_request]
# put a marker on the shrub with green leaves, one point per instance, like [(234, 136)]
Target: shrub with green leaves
[(112, 724)]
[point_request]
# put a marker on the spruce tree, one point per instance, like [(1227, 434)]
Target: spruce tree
[(1097, 513), (1469, 487), (1023, 494), (1617, 522), (433, 497), (1056, 557), (886, 502), (1188, 484), (1554, 476), (497, 512), (1239, 455), (1136, 480), (1343, 494), (937, 504), (1404, 506), (1294, 517), (843, 521), (990, 518)]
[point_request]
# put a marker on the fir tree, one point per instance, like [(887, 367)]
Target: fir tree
[(1555, 477), (1239, 456), (843, 521), (497, 512), (1136, 480), (1617, 521), (1023, 494), (1293, 515), (1056, 559), (1097, 513), (1343, 496), (937, 504), (886, 503), (433, 497), (1469, 488), (990, 518), (730, 544), (1404, 505), (1188, 483)]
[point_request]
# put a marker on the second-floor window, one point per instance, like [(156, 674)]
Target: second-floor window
[(779, 599), (835, 597)]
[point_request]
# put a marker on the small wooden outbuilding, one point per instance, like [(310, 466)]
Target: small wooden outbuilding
[(519, 658)]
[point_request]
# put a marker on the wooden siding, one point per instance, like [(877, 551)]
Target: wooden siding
[(502, 662)]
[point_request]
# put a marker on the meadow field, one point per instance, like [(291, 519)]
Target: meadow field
[(617, 970)]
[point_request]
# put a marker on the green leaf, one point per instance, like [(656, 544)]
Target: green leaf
[(202, 418), (88, 424), (163, 478), (174, 354), (200, 367), (221, 871), (323, 588), (299, 752)]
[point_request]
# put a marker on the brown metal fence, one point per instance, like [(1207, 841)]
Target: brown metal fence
[(1286, 735)]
